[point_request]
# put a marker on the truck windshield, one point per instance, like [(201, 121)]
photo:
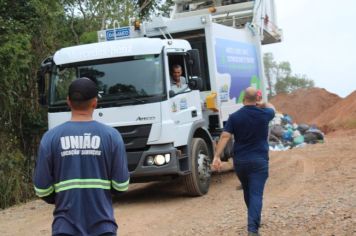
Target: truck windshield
[(130, 79)]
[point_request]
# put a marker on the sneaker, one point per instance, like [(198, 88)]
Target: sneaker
[(253, 234)]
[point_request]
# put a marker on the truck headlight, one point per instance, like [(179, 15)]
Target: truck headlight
[(159, 160), (149, 161), (167, 157)]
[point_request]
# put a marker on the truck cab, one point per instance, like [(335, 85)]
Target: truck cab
[(133, 77)]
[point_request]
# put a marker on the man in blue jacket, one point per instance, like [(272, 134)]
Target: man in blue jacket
[(80, 164), (249, 126)]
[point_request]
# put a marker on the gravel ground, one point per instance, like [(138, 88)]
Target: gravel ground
[(310, 191)]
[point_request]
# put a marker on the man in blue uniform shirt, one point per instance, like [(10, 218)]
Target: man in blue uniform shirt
[(80, 164), (249, 125)]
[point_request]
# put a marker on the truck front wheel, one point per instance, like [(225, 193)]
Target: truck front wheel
[(198, 181)]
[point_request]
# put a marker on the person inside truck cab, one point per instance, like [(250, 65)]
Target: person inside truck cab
[(178, 82)]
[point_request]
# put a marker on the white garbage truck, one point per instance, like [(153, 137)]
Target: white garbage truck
[(168, 134)]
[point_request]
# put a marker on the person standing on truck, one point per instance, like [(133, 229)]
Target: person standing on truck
[(178, 82), (80, 164), (249, 126)]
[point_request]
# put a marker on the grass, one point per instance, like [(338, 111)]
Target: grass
[(15, 181)]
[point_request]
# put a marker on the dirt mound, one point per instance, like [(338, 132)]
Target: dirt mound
[(304, 105), (341, 115)]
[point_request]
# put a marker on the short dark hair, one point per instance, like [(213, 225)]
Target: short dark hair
[(176, 66), (81, 105)]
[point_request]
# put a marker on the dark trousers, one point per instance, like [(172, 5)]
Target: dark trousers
[(105, 234), (253, 175)]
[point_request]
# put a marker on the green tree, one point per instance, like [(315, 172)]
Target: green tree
[(85, 18), (29, 32), (269, 67), (280, 78), (293, 82)]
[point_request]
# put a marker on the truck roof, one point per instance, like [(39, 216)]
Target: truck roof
[(116, 48)]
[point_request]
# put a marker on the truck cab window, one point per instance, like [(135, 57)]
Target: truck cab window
[(178, 73), (59, 91), (118, 80)]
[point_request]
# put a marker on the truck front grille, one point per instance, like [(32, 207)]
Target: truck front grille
[(135, 136)]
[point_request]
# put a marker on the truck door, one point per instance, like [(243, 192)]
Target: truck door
[(185, 103)]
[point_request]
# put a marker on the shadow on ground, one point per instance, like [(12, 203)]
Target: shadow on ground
[(163, 190)]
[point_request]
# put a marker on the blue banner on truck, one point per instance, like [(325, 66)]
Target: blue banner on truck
[(240, 61)]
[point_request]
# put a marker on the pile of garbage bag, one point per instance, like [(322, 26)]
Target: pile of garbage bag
[(284, 134)]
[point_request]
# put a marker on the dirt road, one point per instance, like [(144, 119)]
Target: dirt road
[(310, 191)]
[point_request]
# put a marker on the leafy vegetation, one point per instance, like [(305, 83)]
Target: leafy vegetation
[(280, 78)]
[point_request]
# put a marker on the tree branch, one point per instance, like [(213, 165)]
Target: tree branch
[(76, 38)]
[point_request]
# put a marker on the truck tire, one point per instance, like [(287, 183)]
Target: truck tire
[(198, 181)]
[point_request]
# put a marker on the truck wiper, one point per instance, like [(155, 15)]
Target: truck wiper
[(121, 100), (128, 101), (144, 98), (138, 100), (151, 96)]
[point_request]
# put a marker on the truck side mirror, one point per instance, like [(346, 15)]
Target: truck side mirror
[(193, 60), (195, 83), (194, 70), (41, 86), (45, 69), (171, 93)]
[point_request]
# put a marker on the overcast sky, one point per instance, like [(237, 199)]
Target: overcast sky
[(319, 40)]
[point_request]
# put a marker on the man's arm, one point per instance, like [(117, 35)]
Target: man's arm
[(270, 105), (43, 176), (224, 138), (120, 173), (266, 105)]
